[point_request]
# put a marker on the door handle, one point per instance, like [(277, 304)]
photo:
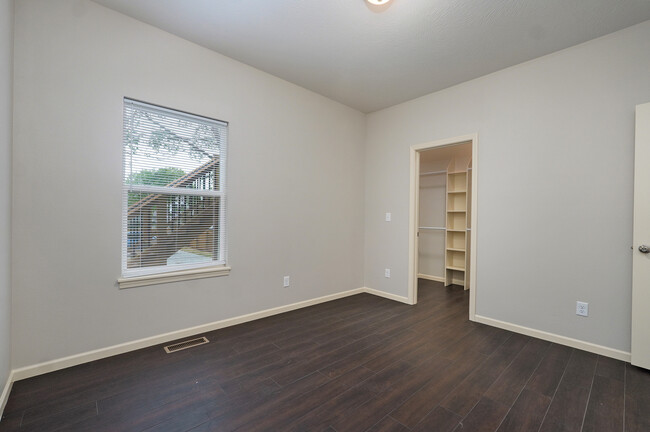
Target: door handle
[(644, 249)]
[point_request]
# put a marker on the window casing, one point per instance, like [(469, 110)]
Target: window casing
[(174, 192)]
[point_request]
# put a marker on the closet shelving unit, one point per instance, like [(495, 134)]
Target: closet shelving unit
[(457, 226)]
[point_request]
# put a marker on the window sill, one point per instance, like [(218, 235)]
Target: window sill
[(176, 276)]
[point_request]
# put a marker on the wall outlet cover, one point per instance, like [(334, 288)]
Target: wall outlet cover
[(582, 308)]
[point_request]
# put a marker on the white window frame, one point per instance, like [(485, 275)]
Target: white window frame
[(162, 274)]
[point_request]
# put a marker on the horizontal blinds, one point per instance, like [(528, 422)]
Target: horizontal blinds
[(174, 190)]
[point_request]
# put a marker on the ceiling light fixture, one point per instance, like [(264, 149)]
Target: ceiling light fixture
[(378, 2)]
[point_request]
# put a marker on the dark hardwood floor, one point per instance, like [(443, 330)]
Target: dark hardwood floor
[(362, 363)]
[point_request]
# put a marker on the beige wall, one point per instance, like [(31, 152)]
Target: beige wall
[(295, 178), (555, 155), (6, 70), (555, 198)]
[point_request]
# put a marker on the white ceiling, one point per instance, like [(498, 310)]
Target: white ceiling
[(446, 153), (371, 60)]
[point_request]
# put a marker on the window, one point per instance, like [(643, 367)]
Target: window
[(173, 195)]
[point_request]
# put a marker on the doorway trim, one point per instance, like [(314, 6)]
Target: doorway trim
[(414, 198)]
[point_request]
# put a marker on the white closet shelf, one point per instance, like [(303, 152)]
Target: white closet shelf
[(456, 191), (433, 173), (456, 249), (455, 268)]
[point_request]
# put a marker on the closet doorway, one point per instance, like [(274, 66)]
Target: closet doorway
[(442, 226)]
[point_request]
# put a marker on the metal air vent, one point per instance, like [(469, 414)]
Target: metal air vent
[(186, 344)]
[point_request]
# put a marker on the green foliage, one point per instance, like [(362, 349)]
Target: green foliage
[(152, 177), (156, 177)]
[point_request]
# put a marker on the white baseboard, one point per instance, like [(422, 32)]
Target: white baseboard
[(386, 295), (5, 393), (432, 278), (73, 360), (552, 337), (460, 282), (57, 364)]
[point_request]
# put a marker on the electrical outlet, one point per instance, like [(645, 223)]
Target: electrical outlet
[(582, 308), (388, 217), (286, 281), (387, 273)]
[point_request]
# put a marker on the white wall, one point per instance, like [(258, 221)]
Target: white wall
[(431, 243), (555, 199), (555, 185), (6, 72), (295, 181)]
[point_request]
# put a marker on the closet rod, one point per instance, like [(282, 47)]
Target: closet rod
[(433, 228), (433, 172)]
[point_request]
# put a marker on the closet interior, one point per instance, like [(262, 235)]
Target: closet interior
[(445, 214)]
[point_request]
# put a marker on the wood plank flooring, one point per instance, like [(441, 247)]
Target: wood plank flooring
[(362, 363)]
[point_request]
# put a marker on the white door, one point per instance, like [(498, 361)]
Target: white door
[(641, 241)]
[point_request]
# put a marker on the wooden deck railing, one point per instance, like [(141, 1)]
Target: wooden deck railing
[(165, 224)]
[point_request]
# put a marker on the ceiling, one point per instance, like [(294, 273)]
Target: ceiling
[(446, 153), (371, 59)]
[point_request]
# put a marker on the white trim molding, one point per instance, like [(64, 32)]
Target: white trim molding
[(181, 275), (559, 339), (431, 278), (389, 296), (73, 360), (77, 359), (414, 186), (5, 392)]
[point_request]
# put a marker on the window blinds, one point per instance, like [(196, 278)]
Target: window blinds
[(173, 190)]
